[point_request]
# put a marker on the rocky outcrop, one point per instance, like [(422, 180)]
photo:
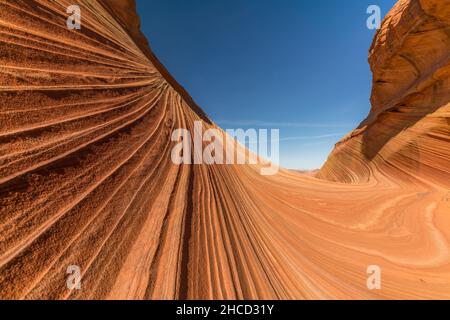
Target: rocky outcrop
[(406, 135), (86, 177)]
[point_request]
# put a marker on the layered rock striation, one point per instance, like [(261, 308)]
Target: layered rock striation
[(86, 177)]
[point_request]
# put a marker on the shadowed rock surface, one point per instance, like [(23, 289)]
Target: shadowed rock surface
[(86, 176)]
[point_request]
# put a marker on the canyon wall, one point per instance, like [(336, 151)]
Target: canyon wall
[(406, 135), (86, 177)]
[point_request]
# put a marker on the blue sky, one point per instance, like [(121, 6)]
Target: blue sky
[(295, 65)]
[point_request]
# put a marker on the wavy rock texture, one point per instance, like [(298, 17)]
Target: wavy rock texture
[(86, 176)]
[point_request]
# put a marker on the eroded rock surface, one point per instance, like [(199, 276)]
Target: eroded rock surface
[(86, 176)]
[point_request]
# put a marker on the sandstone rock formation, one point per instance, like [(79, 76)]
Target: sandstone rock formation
[(86, 177), (406, 133)]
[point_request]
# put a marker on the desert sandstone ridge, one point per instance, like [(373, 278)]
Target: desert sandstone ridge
[(86, 176)]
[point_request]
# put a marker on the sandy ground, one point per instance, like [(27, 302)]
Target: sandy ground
[(86, 176)]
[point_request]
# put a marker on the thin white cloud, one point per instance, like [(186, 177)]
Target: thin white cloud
[(269, 124), (309, 138)]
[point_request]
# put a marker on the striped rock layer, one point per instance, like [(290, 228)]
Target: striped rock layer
[(86, 176)]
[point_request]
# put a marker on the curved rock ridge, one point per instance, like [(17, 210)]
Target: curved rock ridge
[(406, 135), (86, 177)]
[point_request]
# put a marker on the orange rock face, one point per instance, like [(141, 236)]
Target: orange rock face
[(406, 134), (86, 177)]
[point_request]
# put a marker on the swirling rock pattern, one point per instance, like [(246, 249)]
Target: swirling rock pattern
[(86, 176)]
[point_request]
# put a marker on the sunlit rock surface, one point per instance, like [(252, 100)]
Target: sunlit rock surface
[(86, 176)]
